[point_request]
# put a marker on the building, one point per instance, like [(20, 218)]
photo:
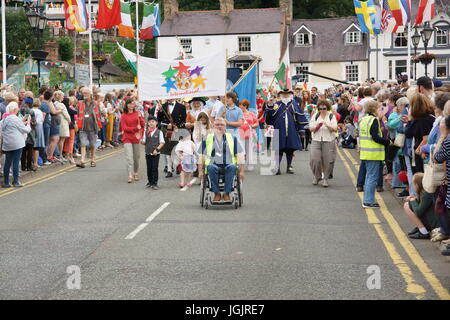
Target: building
[(392, 50), (245, 34), (335, 48)]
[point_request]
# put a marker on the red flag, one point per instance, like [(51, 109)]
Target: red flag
[(108, 14)]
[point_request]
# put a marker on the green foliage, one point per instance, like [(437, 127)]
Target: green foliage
[(313, 9), (65, 49), (55, 78)]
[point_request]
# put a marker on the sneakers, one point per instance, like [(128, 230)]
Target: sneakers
[(415, 230), (18, 185), (290, 170), (6, 186), (315, 181), (403, 194), (439, 237), (325, 183), (370, 205), (169, 175), (419, 235), (155, 187)]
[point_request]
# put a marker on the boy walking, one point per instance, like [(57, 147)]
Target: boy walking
[(154, 141)]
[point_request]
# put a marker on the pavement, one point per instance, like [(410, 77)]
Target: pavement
[(289, 240)]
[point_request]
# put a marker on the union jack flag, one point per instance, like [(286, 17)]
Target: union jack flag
[(385, 15)]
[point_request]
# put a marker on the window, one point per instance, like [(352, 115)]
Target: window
[(353, 37), (390, 69), (400, 68), (303, 77), (243, 65), (401, 39), (186, 43), (352, 73), (441, 37), (441, 68), (303, 39), (244, 44)]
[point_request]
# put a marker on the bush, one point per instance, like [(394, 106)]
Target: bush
[(65, 49)]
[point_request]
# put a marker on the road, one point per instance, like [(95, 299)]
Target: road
[(290, 240)]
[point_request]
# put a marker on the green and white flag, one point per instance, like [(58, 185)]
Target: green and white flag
[(283, 74), (130, 57), (150, 22)]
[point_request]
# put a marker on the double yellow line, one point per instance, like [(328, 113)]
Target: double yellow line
[(412, 286), (52, 175)]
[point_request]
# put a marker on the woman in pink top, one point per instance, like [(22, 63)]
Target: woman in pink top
[(247, 133), (132, 129)]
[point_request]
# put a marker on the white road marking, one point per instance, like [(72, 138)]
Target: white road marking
[(147, 221), (186, 186)]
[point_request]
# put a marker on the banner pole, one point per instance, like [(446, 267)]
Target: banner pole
[(137, 48), (3, 42), (90, 46), (408, 62)]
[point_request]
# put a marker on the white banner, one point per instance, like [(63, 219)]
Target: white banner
[(174, 79)]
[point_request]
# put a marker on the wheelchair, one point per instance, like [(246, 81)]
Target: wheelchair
[(206, 195)]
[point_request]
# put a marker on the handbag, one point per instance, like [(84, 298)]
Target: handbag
[(399, 140), (434, 174)]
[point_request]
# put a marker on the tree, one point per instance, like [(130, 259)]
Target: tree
[(56, 78), (65, 49)]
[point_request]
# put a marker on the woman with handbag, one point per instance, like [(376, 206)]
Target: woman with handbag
[(132, 128)]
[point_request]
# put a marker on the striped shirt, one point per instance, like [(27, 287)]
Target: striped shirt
[(444, 155)]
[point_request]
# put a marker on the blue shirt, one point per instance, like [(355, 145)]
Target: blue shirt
[(209, 104), (233, 114), (46, 109)]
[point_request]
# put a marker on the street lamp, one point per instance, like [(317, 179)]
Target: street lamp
[(415, 40), (426, 34), (98, 36), (38, 21)]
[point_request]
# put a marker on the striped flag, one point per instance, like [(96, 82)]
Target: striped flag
[(426, 11), (76, 15), (130, 57), (151, 22), (126, 27), (385, 16)]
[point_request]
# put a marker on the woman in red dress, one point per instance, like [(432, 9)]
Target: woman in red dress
[(132, 129)]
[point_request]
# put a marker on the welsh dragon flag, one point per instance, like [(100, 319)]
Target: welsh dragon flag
[(130, 57), (283, 74), (151, 22)]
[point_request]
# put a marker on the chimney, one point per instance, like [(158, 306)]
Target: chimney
[(170, 8), (226, 6), (286, 7)]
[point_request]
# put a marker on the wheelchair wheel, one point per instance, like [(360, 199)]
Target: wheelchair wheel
[(207, 202), (236, 203), (239, 191), (202, 194)]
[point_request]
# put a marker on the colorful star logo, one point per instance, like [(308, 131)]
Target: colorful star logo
[(170, 73), (181, 78), (199, 81), (196, 71), (182, 68), (169, 85)]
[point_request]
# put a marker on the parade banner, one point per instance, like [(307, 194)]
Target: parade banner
[(175, 79)]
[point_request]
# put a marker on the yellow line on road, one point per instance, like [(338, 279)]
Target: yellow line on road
[(411, 285), (412, 252), (51, 176)]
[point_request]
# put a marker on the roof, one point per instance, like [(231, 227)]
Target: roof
[(211, 22), (328, 42)]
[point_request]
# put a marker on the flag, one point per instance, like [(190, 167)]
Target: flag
[(426, 11), (305, 86), (396, 10), (151, 22), (76, 15), (368, 18), (246, 87), (385, 15), (129, 56), (175, 79), (108, 14), (406, 10), (283, 75), (126, 27)]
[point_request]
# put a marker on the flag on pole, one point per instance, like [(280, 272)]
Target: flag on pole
[(426, 11), (368, 18), (246, 87), (108, 14), (76, 15), (129, 56), (126, 27), (283, 75), (305, 86), (151, 21), (175, 79), (385, 15)]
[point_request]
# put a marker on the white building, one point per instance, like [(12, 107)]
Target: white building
[(245, 35), (393, 50)]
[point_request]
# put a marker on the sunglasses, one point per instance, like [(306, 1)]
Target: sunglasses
[(322, 109)]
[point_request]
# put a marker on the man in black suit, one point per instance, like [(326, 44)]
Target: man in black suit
[(171, 116)]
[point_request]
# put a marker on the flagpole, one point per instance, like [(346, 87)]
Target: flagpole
[(408, 62), (137, 46), (382, 57), (3, 42), (376, 60), (90, 46)]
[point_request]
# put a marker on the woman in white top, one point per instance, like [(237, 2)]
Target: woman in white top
[(64, 131), (39, 142), (323, 126)]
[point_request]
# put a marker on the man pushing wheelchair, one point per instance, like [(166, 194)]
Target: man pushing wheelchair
[(221, 155)]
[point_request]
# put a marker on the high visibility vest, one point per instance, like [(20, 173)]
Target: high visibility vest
[(80, 121), (369, 149), (209, 147)]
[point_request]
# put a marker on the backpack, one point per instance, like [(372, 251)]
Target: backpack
[(330, 115)]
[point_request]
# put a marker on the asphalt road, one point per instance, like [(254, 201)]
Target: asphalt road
[(290, 240)]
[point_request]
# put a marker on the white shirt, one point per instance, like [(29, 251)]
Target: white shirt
[(170, 107), (161, 136), (362, 103), (216, 107), (38, 115), (185, 146), (323, 134)]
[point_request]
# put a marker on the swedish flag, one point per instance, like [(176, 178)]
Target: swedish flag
[(368, 17)]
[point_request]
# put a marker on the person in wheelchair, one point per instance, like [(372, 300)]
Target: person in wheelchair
[(220, 151)]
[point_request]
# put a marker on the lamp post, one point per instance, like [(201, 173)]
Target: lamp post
[(38, 20), (415, 40), (98, 36), (426, 34)]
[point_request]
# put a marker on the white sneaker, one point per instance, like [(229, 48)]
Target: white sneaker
[(325, 183), (315, 181)]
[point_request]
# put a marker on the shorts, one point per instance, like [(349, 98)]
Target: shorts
[(54, 131), (88, 138)]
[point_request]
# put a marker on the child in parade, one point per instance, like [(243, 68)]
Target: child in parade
[(186, 154), (153, 141)]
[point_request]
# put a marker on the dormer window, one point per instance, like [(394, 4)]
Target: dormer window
[(353, 37), (303, 39)]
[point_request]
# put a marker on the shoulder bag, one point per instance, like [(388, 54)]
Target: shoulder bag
[(399, 140), (434, 174)]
